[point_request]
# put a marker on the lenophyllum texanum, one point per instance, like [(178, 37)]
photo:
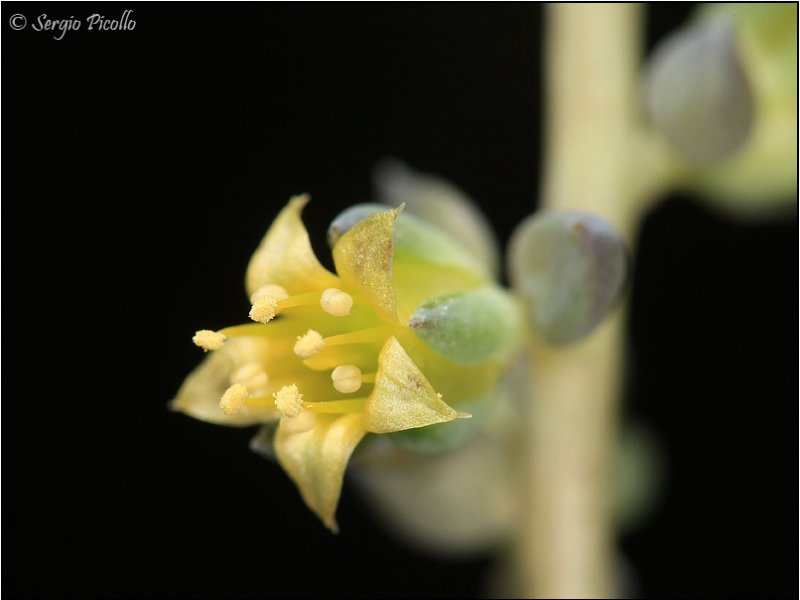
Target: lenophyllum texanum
[(407, 332)]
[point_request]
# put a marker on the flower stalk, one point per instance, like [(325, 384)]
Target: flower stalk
[(597, 162)]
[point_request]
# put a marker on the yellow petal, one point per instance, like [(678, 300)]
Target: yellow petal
[(316, 460), (201, 391), (285, 257), (402, 398), (363, 258)]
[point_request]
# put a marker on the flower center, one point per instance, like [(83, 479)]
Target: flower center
[(331, 365)]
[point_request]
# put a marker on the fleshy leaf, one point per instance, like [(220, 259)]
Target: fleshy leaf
[(285, 257), (570, 269), (363, 258), (442, 205), (201, 391), (402, 398), (317, 459), (469, 328)]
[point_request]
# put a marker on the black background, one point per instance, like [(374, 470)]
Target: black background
[(142, 168)]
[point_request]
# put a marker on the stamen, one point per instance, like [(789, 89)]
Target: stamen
[(270, 289), (312, 343), (274, 330), (289, 401), (336, 302), (233, 399), (309, 344), (346, 379), (336, 406), (358, 354), (264, 309), (364, 336), (209, 340), (267, 304), (251, 375)]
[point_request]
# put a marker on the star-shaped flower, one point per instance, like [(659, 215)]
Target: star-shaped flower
[(396, 339)]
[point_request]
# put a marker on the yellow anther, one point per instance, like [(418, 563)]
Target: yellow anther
[(251, 375), (336, 302), (233, 399), (264, 309), (346, 378), (289, 401), (209, 340), (309, 344), (270, 289)]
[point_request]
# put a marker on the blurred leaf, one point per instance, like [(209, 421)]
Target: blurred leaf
[(456, 502), (638, 475)]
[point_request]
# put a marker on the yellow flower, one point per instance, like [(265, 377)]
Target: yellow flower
[(333, 357)]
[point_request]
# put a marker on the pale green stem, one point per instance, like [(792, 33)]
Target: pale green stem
[(597, 162)]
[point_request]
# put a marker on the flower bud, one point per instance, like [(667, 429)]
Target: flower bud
[(570, 269), (759, 180), (469, 328), (697, 94)]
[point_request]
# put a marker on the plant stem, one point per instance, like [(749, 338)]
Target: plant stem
[(595, 163)]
